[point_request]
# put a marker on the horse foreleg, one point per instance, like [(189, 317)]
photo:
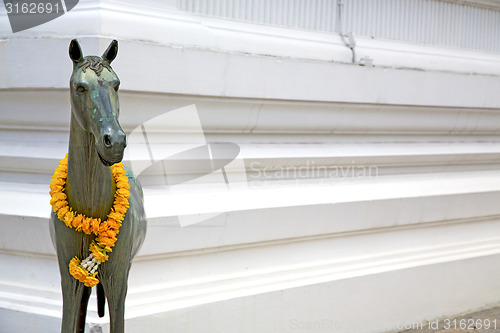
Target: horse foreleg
[(75, 295), (75, 298), (115, 288)]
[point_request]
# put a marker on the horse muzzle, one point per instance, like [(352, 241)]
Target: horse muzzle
[(111, 145)]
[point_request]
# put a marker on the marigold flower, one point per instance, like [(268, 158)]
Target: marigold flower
[(106, 241), (77, 221), (60, 196), (110, 233), (68, 218), (112, 224), (55, 188), (121, 178), (121, 201), (80, 273), (116, 216), (91, 281), (62, 212), (57, 196), (57, 181), (103, 226), (99, 253), (59, 204), (94, 224), (87, 225), (120, 209), (100, 256), (123, 192), (61, 174), (118, 169), (77, 270), (122, 184)]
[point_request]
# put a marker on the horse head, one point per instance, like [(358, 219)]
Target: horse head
[(94, 100)]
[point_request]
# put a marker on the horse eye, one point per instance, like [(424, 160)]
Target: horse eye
[(81, 89)]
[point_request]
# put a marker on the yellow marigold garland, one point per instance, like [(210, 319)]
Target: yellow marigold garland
[(85, 271)]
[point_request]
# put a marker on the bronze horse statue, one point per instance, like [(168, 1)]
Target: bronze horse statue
[(96, 143)]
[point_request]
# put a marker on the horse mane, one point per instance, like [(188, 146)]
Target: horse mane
[(97, 64)]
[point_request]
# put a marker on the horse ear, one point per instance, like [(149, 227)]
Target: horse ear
[(75, 51), (111, 51)]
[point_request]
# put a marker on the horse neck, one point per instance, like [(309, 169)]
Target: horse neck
[(90, 187)]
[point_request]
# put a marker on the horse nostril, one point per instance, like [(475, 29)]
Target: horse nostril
[(107, 140)]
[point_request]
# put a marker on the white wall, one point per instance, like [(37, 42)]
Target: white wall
[(363, 198)]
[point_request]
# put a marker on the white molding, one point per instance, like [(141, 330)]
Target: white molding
[(344, 306), (151, 299), (256, 77), (248, 274), (255, 116)]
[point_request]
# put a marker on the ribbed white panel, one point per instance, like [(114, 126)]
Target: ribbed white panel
[(434, 22), (304, 14), (425, 22)]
